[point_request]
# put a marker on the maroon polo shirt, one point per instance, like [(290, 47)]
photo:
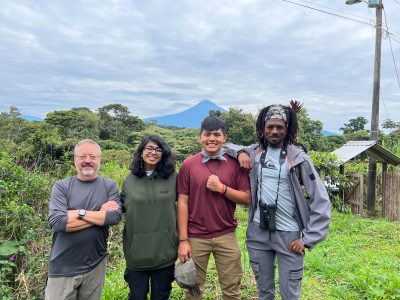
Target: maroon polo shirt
[(210, 213)]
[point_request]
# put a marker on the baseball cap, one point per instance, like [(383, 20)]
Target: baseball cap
[(186, 277)]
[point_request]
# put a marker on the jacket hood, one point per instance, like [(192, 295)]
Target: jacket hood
[(295, 154)]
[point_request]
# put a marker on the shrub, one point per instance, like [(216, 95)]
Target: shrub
[(24, 232), (328, 169)]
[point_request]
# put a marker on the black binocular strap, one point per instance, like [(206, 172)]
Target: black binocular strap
[(282, 158)]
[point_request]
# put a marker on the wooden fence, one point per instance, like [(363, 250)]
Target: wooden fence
[(355, 194), (391, 196)]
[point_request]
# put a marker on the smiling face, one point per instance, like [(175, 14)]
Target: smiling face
[(87, 161), (151, 155), (275, 132), (211, 141)]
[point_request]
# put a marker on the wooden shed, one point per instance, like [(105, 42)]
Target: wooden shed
[(390, 181)]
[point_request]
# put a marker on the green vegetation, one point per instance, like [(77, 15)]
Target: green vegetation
[(24, 232), (359, 260)]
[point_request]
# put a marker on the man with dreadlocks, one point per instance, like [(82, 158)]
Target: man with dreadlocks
[(290, 208)]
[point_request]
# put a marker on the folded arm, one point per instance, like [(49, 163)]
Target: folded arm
[(91, 218)]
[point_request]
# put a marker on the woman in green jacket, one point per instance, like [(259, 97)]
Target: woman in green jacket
[(150, 235)]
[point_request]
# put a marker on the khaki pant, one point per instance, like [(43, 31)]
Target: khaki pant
[(88, 286), (226, 252)]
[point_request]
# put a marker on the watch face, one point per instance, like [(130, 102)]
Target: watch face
[(81, 213)]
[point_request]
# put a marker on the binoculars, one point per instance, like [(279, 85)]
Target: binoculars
[(268, 216)]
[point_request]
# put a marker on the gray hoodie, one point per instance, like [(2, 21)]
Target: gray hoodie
[(312, 215)]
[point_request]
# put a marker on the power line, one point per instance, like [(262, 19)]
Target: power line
[(332, 9), (371, 23), (391, 50), (389, 34), (327, 12)]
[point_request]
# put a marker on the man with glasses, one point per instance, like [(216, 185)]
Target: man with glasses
[(81, 209)]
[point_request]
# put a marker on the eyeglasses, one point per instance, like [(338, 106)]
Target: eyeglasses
[(91, 156), (151, 149)]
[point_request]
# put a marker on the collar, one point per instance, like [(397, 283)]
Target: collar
[(207, 157)]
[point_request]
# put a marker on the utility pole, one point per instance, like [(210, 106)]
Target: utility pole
[(371, 196)]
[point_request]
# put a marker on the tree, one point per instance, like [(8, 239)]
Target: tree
[(332, 142), (11, 124), (116, 122), (240, 126), (310, 132), (354, 125), (390, 124), (391, 141), (14, 111), (359, 135), (77, 123)]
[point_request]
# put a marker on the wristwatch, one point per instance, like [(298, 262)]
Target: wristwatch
[(81, 214)]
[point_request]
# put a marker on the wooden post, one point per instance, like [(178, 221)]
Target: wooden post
[(392, 206), (384, 187), (341, 190)]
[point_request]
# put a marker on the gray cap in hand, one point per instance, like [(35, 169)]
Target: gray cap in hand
[(186, 277)]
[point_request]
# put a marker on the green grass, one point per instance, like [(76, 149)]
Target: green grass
[(360, 259)]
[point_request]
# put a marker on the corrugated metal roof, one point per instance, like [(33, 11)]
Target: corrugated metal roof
[(353, 148)]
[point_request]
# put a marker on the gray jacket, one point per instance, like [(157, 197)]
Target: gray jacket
[(313, 215)]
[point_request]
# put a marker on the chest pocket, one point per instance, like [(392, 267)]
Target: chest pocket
[(164, 194)]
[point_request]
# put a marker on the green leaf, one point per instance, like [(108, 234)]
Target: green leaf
[(8, 248)]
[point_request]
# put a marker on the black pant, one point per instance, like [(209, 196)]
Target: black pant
[(160, 282)]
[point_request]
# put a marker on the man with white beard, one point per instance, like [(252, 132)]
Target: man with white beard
[(81, 209)]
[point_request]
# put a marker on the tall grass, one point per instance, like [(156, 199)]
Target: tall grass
[(360, 259)]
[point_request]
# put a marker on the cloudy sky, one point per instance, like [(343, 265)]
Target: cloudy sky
[(161, 57)]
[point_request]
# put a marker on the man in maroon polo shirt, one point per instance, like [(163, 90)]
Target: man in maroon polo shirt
[(210, 184)]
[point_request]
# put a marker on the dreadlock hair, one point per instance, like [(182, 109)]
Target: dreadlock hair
[(292, 126)]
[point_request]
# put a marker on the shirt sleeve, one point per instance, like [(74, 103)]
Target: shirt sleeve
[(316, 229), (58, 208), (113, 217), (232, 149)]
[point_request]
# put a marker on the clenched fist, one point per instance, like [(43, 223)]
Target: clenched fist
[(214, 184)]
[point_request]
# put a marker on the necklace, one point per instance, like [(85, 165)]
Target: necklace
[(216, 170)]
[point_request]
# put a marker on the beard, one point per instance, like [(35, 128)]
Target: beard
[(89, 172), (275, 141), (86, 172)]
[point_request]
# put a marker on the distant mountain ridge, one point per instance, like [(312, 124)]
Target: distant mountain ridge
[(192, 117), (189, 118), (329, 133), (31, 118)]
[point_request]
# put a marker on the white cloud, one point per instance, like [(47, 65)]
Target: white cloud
[(158, 56)]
